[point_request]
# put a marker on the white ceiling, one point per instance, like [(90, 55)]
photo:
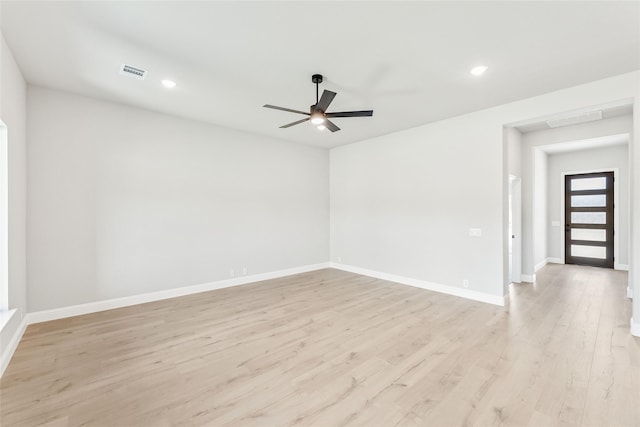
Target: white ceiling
[(408, 61)]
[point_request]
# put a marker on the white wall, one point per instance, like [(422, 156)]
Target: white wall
[(540, 173), (13, 114), (513, 146), (533, 142), (527, 169), (514, 150), (403, 203), (124, 201), (634, 218), (606, 158)]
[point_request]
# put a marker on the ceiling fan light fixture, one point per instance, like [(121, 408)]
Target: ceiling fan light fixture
[(317, 118), (321, 127)]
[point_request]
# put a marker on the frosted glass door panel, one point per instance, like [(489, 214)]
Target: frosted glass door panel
[(599, 252), (589, 217), (589, 234), (599, 183), (594, 201)]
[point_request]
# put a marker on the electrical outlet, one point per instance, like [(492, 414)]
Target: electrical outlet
[(475, 232), (465, 283), (244, 271), (232, 273), (338, 259)]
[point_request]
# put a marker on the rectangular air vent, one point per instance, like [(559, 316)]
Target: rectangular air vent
[(575, 119), (133, 71)]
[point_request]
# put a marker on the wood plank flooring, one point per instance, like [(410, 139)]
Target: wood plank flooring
[(330, 348)]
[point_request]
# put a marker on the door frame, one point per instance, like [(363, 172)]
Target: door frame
[(4, 218), (616, 211), (515, 190)]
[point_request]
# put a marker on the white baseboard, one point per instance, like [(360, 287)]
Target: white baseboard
[(635, 328), (541, 264), (529, 278), (93, 307), (6, 356), (551, 260), (450, 290), (629, 292)]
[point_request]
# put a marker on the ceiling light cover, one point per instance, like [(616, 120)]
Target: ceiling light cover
[(479, 70)]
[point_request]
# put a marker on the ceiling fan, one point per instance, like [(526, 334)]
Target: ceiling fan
[(318, 114)]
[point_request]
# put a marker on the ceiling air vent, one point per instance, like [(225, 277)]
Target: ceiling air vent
[(575, 119), (133, 71)]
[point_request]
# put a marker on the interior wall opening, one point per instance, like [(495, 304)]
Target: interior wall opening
[(543, 156)]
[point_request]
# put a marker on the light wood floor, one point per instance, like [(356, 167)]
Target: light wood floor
[(330, 348)]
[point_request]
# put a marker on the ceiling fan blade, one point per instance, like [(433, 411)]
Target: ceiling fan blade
[(363, 113), (325, 100), (331, 126), (294, 123), (285, 109)]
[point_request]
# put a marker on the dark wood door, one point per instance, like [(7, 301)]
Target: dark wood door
[(589, 219)]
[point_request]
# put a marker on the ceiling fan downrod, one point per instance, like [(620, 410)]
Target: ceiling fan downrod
[(317, 79)]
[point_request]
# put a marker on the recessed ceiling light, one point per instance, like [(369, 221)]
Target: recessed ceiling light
[(169, 84), (479, 70)]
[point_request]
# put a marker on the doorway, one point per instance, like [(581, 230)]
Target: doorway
[(589, 219)]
